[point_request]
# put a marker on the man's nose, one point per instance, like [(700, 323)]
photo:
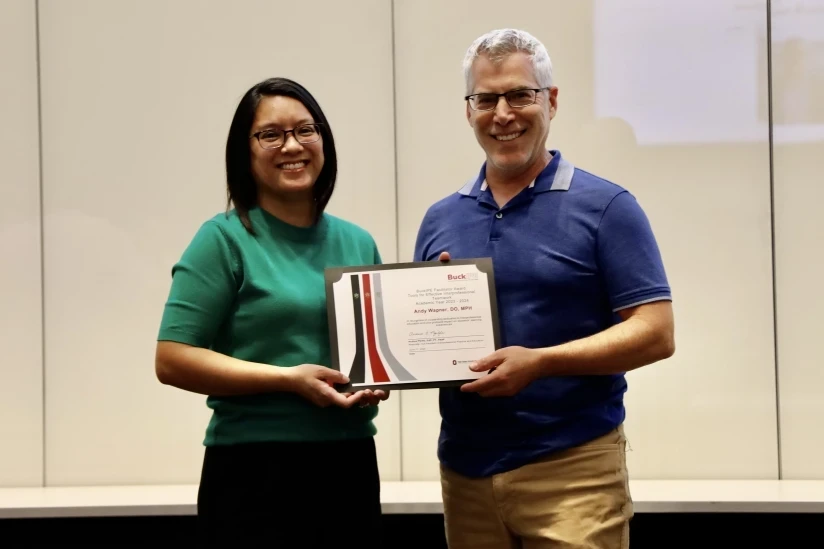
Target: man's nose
[(503, 112)]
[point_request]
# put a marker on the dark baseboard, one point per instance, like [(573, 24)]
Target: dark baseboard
[(648, 531)]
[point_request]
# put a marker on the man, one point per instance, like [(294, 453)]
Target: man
[(533, 453)]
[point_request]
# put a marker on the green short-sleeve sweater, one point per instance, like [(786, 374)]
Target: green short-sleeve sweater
[(262, 298)]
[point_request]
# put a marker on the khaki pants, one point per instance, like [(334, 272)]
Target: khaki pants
[(575, 499)]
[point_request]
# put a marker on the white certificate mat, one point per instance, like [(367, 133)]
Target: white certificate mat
[(411, 325)]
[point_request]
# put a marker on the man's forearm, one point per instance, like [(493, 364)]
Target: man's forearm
[(637, 341)]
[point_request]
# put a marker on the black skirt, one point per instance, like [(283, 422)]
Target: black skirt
[(291, 494)]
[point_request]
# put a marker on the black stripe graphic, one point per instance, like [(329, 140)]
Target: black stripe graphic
[(357, 375)]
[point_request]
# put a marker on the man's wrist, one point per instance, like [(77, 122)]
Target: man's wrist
[(546, 363)]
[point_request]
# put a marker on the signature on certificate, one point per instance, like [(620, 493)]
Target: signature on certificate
[(431, 333)]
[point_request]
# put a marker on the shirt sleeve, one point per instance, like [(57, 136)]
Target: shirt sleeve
[(377, 255), (628, 255), (204, 286)]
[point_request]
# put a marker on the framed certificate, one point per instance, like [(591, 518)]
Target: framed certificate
[(411, 325)]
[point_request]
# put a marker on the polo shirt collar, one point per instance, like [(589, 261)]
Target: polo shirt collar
[(557, 176)]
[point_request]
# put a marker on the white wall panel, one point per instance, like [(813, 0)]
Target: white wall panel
[(668, 100), (137, 97), (798, 118), (21, 361), (137, 101)]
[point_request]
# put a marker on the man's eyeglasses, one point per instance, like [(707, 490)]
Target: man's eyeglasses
[(273, 139), (517, 99)]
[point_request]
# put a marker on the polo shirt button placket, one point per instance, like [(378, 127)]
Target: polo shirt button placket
[(495, 233)]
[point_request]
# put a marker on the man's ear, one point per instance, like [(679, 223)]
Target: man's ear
[(553, 102), (468, 114)]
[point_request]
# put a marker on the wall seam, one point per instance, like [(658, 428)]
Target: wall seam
[(397, 211), (42, 239), (772, 240)]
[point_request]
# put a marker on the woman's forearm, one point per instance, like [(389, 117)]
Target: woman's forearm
[(208, 372)]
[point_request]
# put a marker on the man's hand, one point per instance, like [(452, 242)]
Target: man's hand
[(513, 369)]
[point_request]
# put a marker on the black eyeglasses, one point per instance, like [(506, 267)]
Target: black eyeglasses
[(273, 139), (517, 99)]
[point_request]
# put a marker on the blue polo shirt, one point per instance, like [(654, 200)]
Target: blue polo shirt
[(569, 251)]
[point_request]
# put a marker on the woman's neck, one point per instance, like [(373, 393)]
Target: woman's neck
[(299, 212)]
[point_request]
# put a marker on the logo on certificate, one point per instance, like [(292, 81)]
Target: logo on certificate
[(462, 276)]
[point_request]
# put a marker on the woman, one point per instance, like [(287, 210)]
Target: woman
[(288, 458)]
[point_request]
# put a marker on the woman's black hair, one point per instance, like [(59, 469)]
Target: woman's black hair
[(241, 188)]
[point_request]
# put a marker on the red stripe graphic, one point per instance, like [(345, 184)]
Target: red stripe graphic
[(378, 369)]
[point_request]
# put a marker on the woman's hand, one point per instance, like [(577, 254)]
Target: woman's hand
[(315, 383), (372, 398)]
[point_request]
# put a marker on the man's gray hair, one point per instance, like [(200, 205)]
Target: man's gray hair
[(500, 43)]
